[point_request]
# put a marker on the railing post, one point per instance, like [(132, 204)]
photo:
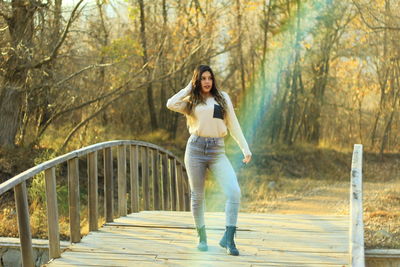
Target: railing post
[(25, 237), (92, 191), (122, 211), (356, 210), (172, 169), (165, 204), (52, 213), (179, 188), (145, 177), (156, 180), (74, 205), (134, 173), (108, 184), (151, 178)]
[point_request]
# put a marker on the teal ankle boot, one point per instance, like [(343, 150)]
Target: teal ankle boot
[(201, 232), (222, 242), (228, 241)]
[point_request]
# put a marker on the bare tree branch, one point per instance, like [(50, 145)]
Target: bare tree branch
[(198, 6), (53, 54), (79, 125), (4, 29), (369, 25), (59, 83), (82, 70), (124, 93), (104, 96), (6, 16)]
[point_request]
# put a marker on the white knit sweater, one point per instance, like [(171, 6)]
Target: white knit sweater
[(207, 120)]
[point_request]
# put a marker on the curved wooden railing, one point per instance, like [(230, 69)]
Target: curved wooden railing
[(169, 188), (356, 246)]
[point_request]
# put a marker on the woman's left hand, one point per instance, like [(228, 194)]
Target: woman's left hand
[(247, 159)]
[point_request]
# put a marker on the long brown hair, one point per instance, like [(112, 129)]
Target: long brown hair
[(197, 98)]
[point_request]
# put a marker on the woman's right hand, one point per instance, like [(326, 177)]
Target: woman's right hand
[(247, 159), (190, 85)]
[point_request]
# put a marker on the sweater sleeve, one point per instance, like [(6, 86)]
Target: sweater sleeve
[(178, 102), (234, 126)]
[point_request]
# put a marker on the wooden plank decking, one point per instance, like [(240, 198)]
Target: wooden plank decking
[(155, 238)]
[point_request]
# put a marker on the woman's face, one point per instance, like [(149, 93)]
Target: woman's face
[(206, 82)]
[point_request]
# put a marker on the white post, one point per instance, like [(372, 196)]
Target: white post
[(356, 210)]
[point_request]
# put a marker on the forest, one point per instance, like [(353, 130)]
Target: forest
[(308, 79), (322, 72)]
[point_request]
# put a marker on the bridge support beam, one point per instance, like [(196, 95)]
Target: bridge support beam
[(165, 183), (356, 210), (92, 191), (74, 203), (21, 202), (52, 213), (180, 205), (122, 210), (145, 178), (108, 185), (134, 176), (172, 168), (156, 180)]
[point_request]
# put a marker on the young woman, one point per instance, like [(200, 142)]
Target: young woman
[(209, 113)]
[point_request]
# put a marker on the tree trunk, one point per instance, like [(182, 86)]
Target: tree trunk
[(383, 71), (394, 84), (43, 110), (21, 28), (104, 41), (266, 24), (386, 132), (149, 89), (321, 73), (163, 113), (276, 114), (293, 98), (10, 103), (240, 49)]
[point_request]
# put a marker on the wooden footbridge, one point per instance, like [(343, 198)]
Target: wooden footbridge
[(159, 230)]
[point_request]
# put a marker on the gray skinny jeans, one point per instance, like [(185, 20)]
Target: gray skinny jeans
[(209, 152)]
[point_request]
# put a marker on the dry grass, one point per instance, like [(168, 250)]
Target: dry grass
[(306, 180), (266, 194), (297, 196), (279, 180), (382, 214), (38, 222)]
